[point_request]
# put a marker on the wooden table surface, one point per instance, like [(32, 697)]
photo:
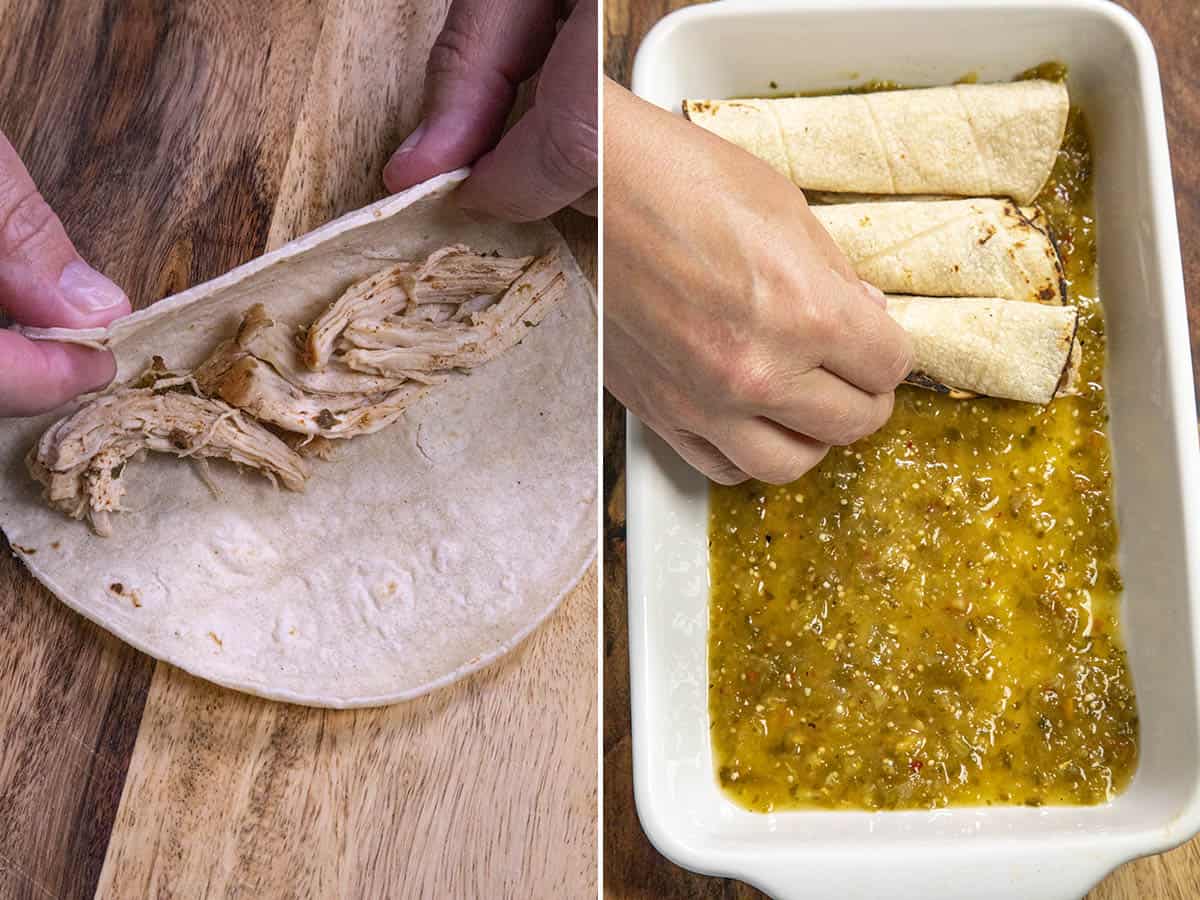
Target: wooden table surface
[(178, 140), (632, 867)]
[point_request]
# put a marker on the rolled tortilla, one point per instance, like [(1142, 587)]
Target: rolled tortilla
[(949, 248), (965, 140), (987, 345)]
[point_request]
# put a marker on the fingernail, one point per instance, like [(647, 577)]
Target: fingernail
[(86, 290), (875, 292), (410, 142), (393, 171)]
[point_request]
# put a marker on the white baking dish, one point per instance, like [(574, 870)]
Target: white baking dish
[(737, 48)]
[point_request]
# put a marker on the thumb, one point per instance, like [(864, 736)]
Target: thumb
[(483, 53), (549, 159), (43, 280)]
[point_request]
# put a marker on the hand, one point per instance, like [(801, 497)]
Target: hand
[(43, 282), (734, 327), (548, 159)]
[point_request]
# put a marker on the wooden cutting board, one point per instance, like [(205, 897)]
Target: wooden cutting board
[(177, 140), (632, 867)]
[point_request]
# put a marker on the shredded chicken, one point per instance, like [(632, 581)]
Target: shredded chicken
[(81, 459), (258, 371), (450, 275), (407, 344), (377, 349)]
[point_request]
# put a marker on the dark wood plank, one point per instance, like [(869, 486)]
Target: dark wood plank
[(159, 132), (632, 867)]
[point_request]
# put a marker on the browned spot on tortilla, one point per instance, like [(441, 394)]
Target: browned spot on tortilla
[(216, 639), (135, 599), (179, 439), (391, 588), (54, 545), (28, 551), (117, 588), (1047, 293), (326, 419)]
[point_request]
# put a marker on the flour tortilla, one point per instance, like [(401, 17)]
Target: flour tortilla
[(414, 556), (988, 345), (951, 248), (965, 140)]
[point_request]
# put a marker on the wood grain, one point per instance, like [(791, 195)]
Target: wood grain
[(177, 140), (632, 867)]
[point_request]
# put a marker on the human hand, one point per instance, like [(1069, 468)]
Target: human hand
[(548, 159), (44, 282), (734, 327)]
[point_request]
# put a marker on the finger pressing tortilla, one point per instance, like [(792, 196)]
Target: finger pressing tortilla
[(989, 346), (950, 248), (965, 140)]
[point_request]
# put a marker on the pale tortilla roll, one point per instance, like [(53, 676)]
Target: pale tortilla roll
[(987, 345), (966, 140), (949, 248)]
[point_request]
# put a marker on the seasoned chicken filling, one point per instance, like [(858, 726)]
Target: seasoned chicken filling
[(384, 343), (81, 459)]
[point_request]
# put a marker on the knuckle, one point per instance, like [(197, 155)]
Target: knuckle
[(706, 458), (569, 151), (722, 471), (819, 320), (847, 424), (784, 470), (26, 223), (453, 52), (894, 354), (747, 380)]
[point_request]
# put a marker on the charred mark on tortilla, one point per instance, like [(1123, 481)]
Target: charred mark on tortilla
[(1053, 253)]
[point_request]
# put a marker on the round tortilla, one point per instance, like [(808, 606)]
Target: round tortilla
[(415, 556)]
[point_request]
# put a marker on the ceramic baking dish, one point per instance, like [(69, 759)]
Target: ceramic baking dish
[(737, 48)]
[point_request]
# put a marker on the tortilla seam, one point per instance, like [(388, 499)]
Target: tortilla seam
[(899, 245), (787, 153), (987, 163), (879, 139)]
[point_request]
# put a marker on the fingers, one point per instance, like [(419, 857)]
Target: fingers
[(484, 51), (36, 376), (703, 457), (548, 160), (43, 281), (768, 451), (861, 343), (822, 406)]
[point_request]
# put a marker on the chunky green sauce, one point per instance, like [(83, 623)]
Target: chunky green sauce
[(930, 617)]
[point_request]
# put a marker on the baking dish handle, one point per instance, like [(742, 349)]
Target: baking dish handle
[(947, 873)]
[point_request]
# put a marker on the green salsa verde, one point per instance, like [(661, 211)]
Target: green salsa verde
[(930, 617)]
